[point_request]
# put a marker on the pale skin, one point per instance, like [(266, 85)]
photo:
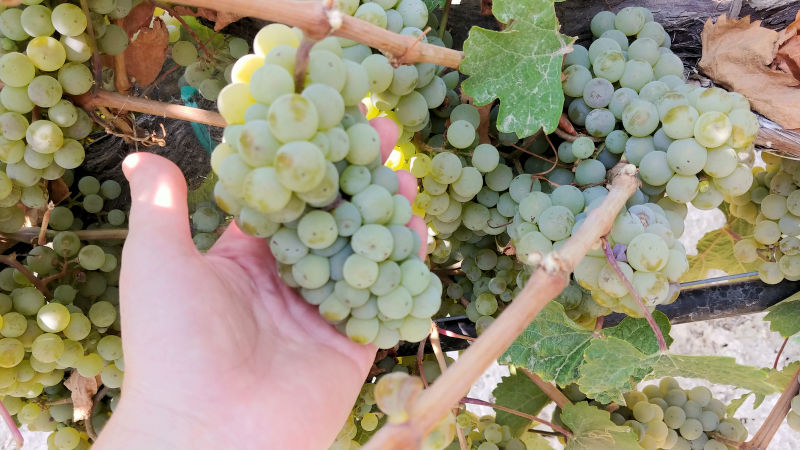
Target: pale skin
[(219, 353)]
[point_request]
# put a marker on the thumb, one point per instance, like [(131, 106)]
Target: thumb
[(159, 219)]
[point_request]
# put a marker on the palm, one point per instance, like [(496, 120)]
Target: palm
[(237, 345)]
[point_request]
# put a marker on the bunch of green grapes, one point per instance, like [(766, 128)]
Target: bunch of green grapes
[(304, 170), (88, 208), (208, 68), (793, 418), (74, 328), (483, 433), (772, 204), (628, 89), (669, 417), (44, 58)]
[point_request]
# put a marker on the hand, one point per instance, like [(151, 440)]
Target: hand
[(219, 353)]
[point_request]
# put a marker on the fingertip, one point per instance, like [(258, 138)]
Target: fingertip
[(389, 132), (407, 185), (418, 225)]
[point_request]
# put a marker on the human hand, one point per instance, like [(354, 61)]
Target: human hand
[(219, 352)]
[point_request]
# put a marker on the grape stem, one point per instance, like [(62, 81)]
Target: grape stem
[(547, 281), (301, 64), (718, 437), (662, 344), (318, 21), (770, 426), (88, 422), (27, 235), (475, 401), (11, 261), (455, 335), (548, 388), (97, 63), (780, 352), (443, 21), (45, 222), (420, 356)]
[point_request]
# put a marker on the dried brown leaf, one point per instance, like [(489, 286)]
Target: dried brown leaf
[(221, 19), (184, 11), (145, 56), (83, 390), (788, 57), (139, 17), (58, 190), (737, 54)]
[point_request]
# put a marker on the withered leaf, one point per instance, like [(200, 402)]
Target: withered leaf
[(221, 19), (145, 56), (83, 390), (58, 190), (737, 54), (139, 17)]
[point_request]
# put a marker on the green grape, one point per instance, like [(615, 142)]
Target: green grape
[(78, 48), (64, 114), (721, 161), (102, 314), (36, 21), (110, 348), (737, 183), (53, 317), (654, 169), (11, 26), (691, 429), (744, 127), (75, 78), (602, 22), (575, 79), (630, 20), (620, 100), (47, 347), (600, 46), (364, 144), (597, 93), (644, 49), (712, 129), (90, 365), (78, 328), (590, 171), (583, 147), (640, 118), (16, 69), (67, 438), (184, 53), (14, 325), (27, 300), (686, 157), (600, 122), (609, 65), (46, 53), (16, 99)]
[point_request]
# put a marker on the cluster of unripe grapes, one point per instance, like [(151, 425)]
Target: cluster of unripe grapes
[(44, 60), (74, 328), (686, 140)]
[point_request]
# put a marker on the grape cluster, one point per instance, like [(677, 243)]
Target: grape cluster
[(772, 204), (210, 67), (43, 60), (793, 418), (75, 328), (305, 171), (685, 140), (207, 219), (483, 433), (667, 416)]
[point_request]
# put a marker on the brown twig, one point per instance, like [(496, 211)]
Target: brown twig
[(548, 388), (28, 235), (317, 22), (770, 426), (565, 136), (547, 281), (121, 81), (45, 222), (436, 345), (718, 437), (780, 352), (11, 261), (612, 261), (128, 103), (475, 401)]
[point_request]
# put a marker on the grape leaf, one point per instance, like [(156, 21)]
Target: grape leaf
[(520, 65), (552, 345), (784, 317), (614, 366), (592, 429), (715, 251), (146, 54), (433, 4), (639, 334), (519, 393), (535, 441)]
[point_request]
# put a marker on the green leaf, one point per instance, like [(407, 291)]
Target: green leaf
[(592, 429), (552, 345), (519, 393), (639, 334), (521, 66), (781, 378), (534, 441), (614, 366), (715, 251), (433, 4), (784, 317), (736, 403)]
